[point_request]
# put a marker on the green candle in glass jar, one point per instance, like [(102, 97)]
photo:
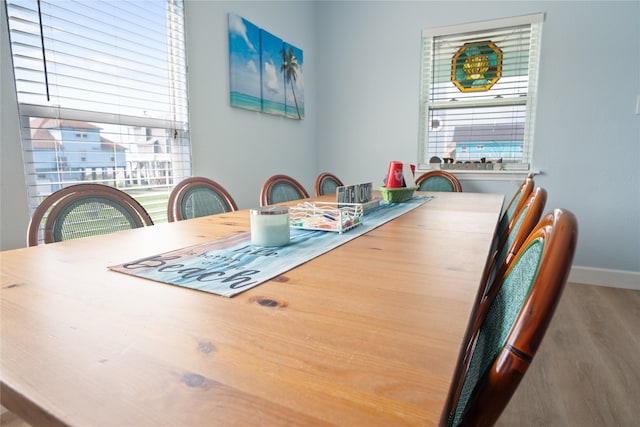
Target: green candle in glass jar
[(270, 226)]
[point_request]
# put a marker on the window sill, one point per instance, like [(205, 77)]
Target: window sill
[(487, 175)]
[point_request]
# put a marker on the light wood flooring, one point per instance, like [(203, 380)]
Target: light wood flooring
[(586, 372), (587, 369)]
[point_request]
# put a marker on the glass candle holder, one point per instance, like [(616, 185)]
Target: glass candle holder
[(270, 226)]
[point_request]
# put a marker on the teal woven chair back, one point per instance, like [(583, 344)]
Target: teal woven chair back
[(84, 210), (326, 183), (523, 224), (284, 192), (438, 181), (499, 321), (203, 201), (515, 204), (329, 186), (281, 189), (511, 209), (198, 196), (520, 308), (91, 216)]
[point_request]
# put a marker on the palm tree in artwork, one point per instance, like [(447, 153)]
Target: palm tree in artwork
[(290, 69)]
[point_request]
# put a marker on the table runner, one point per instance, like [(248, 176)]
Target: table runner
[(231, 265)]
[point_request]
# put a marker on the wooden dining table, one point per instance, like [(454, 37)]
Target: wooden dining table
[(367, 334)]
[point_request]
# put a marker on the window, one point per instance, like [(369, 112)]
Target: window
[(102, 95), (478, 92)]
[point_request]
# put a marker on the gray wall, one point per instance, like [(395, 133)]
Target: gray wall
[(361, 92), (240, 148), (587, 135)]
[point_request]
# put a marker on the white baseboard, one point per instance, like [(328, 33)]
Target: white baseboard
[(605, 277)]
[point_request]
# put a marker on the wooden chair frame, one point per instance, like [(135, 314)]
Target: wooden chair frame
[(510, 213), (559, 231), (455, 182), (531, 213), (517, 202), (321, 179), (271, 182), (55, 202), (528, 216), (174, 213)]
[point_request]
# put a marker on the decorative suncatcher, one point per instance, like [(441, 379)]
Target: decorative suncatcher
[(476, 66), (265, 72)]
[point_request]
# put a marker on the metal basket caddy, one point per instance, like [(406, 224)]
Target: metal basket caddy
[(326, 216)]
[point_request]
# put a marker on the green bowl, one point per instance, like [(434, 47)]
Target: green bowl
[(396, 195)]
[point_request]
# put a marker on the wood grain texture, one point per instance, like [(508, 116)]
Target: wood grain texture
[(549, 396), (367, 334), (9, 419)]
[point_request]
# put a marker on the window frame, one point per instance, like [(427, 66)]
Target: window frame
[(175, 126), (510, 170)]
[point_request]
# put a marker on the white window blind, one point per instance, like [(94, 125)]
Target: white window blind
[(102, 95), (478, 93)]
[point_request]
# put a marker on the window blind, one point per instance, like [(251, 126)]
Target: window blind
[(102, 95), (478, 92)]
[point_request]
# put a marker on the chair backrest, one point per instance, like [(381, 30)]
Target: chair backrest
[(198, 196), (326, 183), (523, 223), (84, 210), (516, 203), (501, 257), (438, 180), (280, 189), (523, 301)]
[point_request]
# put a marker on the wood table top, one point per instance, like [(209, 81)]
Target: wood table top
[(366, 334)]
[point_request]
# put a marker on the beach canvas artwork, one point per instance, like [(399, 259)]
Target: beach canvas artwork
[(265, 72)]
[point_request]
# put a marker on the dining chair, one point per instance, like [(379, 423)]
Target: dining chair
[(326, 183), (438, 180), (84, 210), (198, 196), (521, 305), (516, 203), (281, 188), (502, 254), (501, 257)]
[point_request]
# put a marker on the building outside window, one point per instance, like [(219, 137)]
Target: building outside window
[(102, 96), (478, 92)]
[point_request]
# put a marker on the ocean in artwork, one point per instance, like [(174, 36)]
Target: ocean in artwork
[(253, 103), (293, 113), (245, 101), (273, 107)]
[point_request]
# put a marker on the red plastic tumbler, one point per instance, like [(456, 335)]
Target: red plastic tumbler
[(394, 175)]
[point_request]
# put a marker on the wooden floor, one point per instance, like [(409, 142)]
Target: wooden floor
[(586, 372), (9, 419)]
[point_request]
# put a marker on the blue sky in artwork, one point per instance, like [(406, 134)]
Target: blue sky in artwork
[(244, 56), (272, 78)]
